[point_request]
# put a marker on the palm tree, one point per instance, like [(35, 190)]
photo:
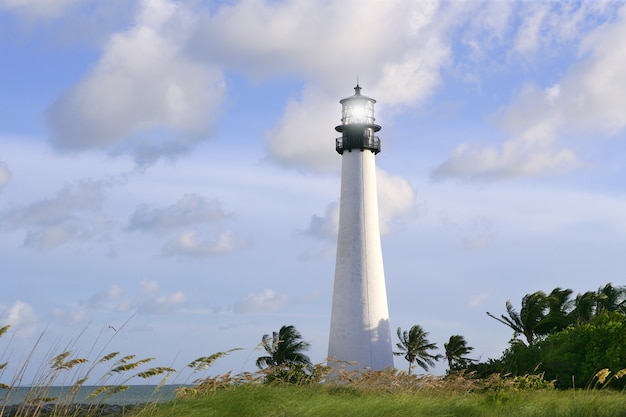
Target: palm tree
[(414, 345), (611, 299), (557, 318), (584, 308), (456, 348), (531, 315), (284, 348)]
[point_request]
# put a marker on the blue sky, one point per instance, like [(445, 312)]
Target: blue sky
[(171, 165)]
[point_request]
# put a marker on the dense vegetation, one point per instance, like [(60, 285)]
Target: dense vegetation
[(567, 339)]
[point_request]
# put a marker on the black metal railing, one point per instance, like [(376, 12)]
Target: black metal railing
[(363, 141)]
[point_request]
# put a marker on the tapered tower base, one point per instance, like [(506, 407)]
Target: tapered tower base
[(359, 329)]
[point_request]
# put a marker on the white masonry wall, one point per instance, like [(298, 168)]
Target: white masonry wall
[(359, 328)]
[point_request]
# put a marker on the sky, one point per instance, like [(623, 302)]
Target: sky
[(169, 184)]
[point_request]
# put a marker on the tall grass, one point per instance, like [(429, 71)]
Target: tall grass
[(72, 372)]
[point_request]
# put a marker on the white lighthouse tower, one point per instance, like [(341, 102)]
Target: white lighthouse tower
[(359, 325)]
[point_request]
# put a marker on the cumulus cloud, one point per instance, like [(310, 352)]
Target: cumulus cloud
[(267, 301), (190, 210), (529, 34), (398, 58), (326, 226), (74, 315), (302, 139), (518, 158), (72, 214), (105, 298), (145, 96), (534, 121), (190, 243), (415, 76), (396, 198), (285, 37), (410, 58), (148, 300), (594, 92), (21, 316), (158, 86), (184, 223), (5, 174), (543, 25), (164, 304), (587, 99)]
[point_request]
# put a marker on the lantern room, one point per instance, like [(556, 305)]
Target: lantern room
[(357, 124)]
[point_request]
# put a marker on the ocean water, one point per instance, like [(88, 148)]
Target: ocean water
[(135, 394)]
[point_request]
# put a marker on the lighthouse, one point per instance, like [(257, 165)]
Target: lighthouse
[(359, 325)]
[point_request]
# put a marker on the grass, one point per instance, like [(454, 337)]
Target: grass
[(393, 393), (283, 400)]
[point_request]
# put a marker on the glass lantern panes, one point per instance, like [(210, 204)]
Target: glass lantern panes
[(357, 110)]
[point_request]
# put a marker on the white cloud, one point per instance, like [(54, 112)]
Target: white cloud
[(529, 34), (267, 301), (144, 97), (185, 225), (491, 19), (74, 315), (147, 300), (158, 86), (72, 214), (326, 226), (304, 139), (553, 93), (105, 298), (190, 210), (415, 75), (520, 157), (164, 304), (183, 222), (545, 25), (396, 198), (266, 38), (149, 286), (587, 100), (21, 316), (189, 243), (594, 92), (398, 59), (5, 174)]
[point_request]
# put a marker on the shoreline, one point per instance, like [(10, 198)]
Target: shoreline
[(77, 409)]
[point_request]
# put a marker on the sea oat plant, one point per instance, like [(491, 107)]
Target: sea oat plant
[(66, 370)]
